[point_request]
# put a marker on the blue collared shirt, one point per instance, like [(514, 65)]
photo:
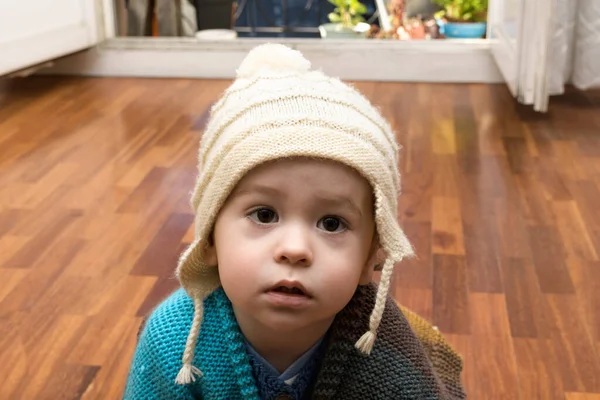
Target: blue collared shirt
[(294, 380)]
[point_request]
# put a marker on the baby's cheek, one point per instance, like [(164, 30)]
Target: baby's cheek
[(239, 266), (340, 282)]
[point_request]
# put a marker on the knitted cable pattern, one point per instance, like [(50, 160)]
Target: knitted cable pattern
[(400, 366), (236, 347), (221, 356)]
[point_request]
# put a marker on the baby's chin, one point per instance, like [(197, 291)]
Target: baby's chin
[(293, 323)]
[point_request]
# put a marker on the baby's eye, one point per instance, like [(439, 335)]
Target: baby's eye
[(332, 224), (264, 215)]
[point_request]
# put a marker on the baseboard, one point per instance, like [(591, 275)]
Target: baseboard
[(372, 60)]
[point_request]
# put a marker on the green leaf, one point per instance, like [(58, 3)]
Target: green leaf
[(333, 17), (361, 9), (464, 10), (347, 12), (440, 14)]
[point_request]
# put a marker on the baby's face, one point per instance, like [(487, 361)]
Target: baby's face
[(293, 241)]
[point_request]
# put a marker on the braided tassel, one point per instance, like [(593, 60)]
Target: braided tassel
[(367, 341), (187, 374)]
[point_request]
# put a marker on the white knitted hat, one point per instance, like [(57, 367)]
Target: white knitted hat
[(276, 108)]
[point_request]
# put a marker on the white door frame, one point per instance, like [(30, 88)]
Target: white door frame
[(523, 57)]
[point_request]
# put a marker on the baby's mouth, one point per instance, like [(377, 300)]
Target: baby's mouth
[(287, 290), (289, 295)]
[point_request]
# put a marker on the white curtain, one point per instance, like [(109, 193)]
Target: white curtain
[(575, 45)]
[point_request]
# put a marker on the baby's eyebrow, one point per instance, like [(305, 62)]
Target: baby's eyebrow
[(337, 201), (325, 199), (257, 188)]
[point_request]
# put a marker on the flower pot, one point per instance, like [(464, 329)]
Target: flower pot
[(464, 30), (338, 31)]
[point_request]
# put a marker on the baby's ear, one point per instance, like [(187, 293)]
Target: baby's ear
[(374, 262), (379, 259), (210, 253)]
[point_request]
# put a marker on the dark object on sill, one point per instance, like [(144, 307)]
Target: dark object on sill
[(281, 18), (432, 29), (214, 14), (425, 8), (286, 18)]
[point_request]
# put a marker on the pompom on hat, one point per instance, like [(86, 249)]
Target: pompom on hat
[(278, 107)]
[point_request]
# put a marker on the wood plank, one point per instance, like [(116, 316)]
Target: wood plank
[(489, 316), (482, 258), (548, 258), (162, 288), (419, 301), (582, 396), (70, 381), (512, 234), (537, 368), (95, 262), (110, 380), (443, 137), (586, 195), (110, 325), (9, 218), (488, 121), (10, 278), (137, 172), (566, 155), (536, 209), (554, 185), (493, 344), (30, 253), (445, 173), (43, 365), (446, 226), (586, 278), (415, 202), (467, 141), (11, 245), (579, 360), (518, 157), (28, 291), (161, 255), (450, 294), (416, 272), (524, 300), (573, 233)]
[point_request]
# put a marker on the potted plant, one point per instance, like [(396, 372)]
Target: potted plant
[(346, 20), (464, 19)]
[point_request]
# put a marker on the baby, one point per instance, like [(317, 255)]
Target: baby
[(296, 205)]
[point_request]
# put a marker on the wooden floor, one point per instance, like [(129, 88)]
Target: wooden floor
[(502, 205)]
